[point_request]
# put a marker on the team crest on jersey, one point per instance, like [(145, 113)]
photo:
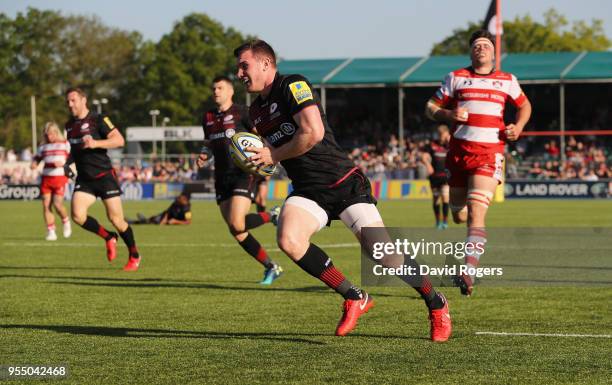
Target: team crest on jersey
[(301, 92), (229, 133), (228, 118), (287, 128), (85, 126), (497, 84)]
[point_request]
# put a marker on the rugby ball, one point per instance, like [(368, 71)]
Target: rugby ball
[(239, 142)]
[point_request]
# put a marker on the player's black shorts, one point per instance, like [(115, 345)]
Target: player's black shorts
[(437, 181), (334, 200), (104, 187), (237, 184)]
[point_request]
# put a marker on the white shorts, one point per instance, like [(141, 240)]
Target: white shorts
[(354, 217)]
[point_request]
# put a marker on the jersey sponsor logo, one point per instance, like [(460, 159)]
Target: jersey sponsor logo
[(108, 122), (273, 107), (301, 92), (467, 82), (218, 135), (85, 126), (278, 135), (229, 133), (228, 118), (287, 128)]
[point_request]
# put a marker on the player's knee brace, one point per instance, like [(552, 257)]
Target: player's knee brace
[(479, 197)]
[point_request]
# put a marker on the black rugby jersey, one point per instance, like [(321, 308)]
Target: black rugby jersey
[(324, 164), (179, 211), (90, 163), (438, 152), (219, 127)]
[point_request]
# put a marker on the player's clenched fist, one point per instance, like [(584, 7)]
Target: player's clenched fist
[(513, 132)]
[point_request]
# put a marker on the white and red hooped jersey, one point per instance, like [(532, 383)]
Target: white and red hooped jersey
[(54, 155), (484, 96)]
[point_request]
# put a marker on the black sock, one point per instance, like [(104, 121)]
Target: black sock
[(261, 208), (445, 211), (255, 250), (128, 238), (252, 221), (316, 263), (422, 285), (436, 209), (91, 224)]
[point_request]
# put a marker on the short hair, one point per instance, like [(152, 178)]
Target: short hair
[(482, 33), (259, 48), (77, 90), (223, 78)]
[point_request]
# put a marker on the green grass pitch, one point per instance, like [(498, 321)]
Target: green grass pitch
[(194, 313)]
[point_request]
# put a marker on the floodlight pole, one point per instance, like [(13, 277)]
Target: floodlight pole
[(154, 114), (165, 121), (400, 131), (324, 99), (33, 112), (562, 120)]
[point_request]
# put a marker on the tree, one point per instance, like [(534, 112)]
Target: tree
[(177, 73), (43, 52), (523, 34)]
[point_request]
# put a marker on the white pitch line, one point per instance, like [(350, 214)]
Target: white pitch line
[(545, 335)]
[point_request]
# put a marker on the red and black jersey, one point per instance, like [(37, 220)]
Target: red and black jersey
[(438, 152), (90, 163), (326, 162), (219, 127)]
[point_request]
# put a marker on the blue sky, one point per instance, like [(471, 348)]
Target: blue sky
[(321, 28)]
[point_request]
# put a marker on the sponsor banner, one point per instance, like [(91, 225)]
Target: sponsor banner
[(168, 134), (167, 190), (546, 189), (19, 192), (381, 189)]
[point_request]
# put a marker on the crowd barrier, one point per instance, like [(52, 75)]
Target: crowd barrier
[(382, 190)]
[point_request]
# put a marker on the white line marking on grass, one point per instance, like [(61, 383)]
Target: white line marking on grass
[(99, 244), (545, 335)]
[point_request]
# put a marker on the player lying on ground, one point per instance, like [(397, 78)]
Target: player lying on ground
[(53, 153), (234, 187), (179, 213), (326, 184), (90, 135), (472, 101)]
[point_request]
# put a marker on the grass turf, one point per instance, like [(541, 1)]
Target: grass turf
[(194, 313)]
